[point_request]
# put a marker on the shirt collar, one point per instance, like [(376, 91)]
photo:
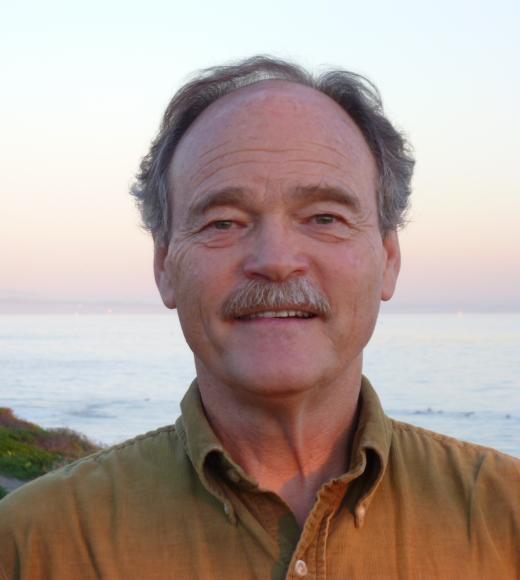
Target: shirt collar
[(368, 461), (370, 451), (201, 443)]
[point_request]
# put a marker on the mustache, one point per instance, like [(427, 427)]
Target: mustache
[(295, 293)]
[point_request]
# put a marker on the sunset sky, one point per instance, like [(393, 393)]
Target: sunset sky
[(84, 86)]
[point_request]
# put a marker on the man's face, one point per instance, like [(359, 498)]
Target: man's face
[(275, 183)]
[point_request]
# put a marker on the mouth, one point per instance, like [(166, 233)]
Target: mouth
[(286, 313), (296, 299)]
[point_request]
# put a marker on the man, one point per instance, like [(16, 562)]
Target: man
[(274, 201)]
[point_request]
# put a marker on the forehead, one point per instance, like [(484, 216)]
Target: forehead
[(270, 121)]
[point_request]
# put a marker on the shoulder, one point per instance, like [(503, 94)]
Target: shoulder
[(431, 450), (480, 484), (115, 502), (89, 489), (128, 458)]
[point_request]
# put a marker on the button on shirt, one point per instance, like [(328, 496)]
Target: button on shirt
[(173, 504)]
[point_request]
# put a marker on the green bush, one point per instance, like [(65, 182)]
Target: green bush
[(28, 451), (20, 456), (3, 492)]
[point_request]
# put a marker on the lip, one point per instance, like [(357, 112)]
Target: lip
[(293, 322), (285, 314)]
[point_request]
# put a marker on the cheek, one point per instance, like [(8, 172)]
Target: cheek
[(198, 277), (353, 270), (367, 269), (355, 286), (354, 263), (183, 266)]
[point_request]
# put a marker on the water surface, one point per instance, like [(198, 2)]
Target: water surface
[(113, 377)]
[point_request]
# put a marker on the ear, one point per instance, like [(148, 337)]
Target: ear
[(392, 265), (163, 275)]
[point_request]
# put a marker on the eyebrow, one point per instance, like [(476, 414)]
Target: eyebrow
[(316, 193), (237, 197), (227, 196)]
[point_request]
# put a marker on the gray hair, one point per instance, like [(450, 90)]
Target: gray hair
[(358, 97)]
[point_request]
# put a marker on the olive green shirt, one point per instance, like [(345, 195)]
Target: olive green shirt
[(172, 504)]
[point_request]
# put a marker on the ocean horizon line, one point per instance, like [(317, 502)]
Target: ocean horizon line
[(22, 306)]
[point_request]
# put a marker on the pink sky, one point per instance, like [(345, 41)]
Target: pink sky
[(78, 115)]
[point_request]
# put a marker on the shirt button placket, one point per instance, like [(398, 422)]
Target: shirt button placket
[(300, 568)]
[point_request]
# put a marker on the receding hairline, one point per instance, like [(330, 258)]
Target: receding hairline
[(269, 87), (266, 86)]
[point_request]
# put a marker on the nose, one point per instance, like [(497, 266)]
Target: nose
[(275, 254)]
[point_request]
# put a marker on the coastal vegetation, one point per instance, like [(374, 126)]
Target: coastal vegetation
[(28, 451)]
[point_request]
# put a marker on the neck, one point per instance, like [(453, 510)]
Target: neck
[(310, 432)]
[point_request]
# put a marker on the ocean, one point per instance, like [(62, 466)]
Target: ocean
[(115, 376)]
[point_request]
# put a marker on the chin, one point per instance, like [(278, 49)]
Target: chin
[(275, 382)]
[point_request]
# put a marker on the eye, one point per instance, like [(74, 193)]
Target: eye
[(222, 224), (324, 219)]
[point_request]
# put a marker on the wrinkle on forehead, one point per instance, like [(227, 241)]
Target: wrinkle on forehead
[(273, 127), (303, 148), (232, 142), (239, 109), (206, 172)]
